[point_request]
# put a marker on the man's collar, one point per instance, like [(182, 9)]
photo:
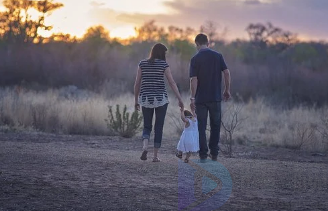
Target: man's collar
[(203, 49)]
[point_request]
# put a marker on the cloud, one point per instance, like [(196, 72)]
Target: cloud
[(252, 2), (104, 16), (97, 4), (304, 17)]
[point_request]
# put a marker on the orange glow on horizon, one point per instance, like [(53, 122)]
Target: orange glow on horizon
[(118, 17)]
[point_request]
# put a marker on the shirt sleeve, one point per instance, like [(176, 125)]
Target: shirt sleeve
[(193, 71), (166, 65), (223, 64)]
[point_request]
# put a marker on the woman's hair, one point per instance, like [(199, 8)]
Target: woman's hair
[(157, 52), (187, 113)]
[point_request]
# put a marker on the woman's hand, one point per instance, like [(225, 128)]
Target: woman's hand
[(181, 105)]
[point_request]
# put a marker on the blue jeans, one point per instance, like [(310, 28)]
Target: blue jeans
[(214, 111), (148, 113)]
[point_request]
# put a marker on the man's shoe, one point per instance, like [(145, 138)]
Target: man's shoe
[(214, 157), (203, 159)]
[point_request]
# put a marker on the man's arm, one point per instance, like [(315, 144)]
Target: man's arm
[(193, 86), (193, 73), (193, 89), (194, 113), (227, 82)]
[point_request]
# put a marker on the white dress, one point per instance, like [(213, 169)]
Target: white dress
[(189, 140)]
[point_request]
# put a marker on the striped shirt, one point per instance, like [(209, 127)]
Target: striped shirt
[(153, 92)]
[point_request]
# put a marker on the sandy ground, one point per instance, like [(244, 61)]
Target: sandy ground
[(57, 172)]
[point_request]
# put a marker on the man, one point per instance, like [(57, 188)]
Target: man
[(206, 69)]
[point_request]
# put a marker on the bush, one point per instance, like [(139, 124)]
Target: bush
[(123, 124), (230, 123)]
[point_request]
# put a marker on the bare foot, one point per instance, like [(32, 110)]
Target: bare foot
[(179, 154), (187, 157)]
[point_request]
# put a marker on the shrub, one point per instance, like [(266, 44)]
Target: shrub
[(230, 123), (123, 124)]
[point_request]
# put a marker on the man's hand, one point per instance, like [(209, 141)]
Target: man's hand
[(193, 105), (226, 95)]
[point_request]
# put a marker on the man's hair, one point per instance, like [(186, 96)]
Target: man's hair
[(201, 39)]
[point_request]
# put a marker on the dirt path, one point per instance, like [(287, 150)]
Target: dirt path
[(49, 172)]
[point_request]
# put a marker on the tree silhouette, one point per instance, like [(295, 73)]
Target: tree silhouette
[(60, 37), (16, 24), (150, 32), (211, 29), (176, 33), (96, 34), (262, 35)]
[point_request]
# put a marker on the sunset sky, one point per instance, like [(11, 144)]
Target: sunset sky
[(307, 18)]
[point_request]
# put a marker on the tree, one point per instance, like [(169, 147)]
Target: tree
[(16, 24), (150, 32), (263, 35), (96, 34), (60, 37), (176, 33), (211, 29), (45, 8)]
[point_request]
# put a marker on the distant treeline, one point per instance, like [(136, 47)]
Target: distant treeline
[(271, 63)]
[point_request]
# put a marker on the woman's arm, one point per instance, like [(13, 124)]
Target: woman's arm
[(137, 85), (183, 118), (174, 86)]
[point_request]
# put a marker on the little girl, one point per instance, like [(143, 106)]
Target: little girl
[(189, 140)]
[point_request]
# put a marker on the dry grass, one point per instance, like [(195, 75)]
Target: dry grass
[(295, 128), (84, 113)]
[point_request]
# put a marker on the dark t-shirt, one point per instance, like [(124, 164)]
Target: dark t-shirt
[(207, 65)]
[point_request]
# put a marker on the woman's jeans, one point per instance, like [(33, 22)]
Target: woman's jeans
[(148, 113), (214, 111)]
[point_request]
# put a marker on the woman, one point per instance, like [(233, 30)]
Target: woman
[(150, 93)]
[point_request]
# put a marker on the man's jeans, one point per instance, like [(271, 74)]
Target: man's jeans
[(160, 113), (214, 110)]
